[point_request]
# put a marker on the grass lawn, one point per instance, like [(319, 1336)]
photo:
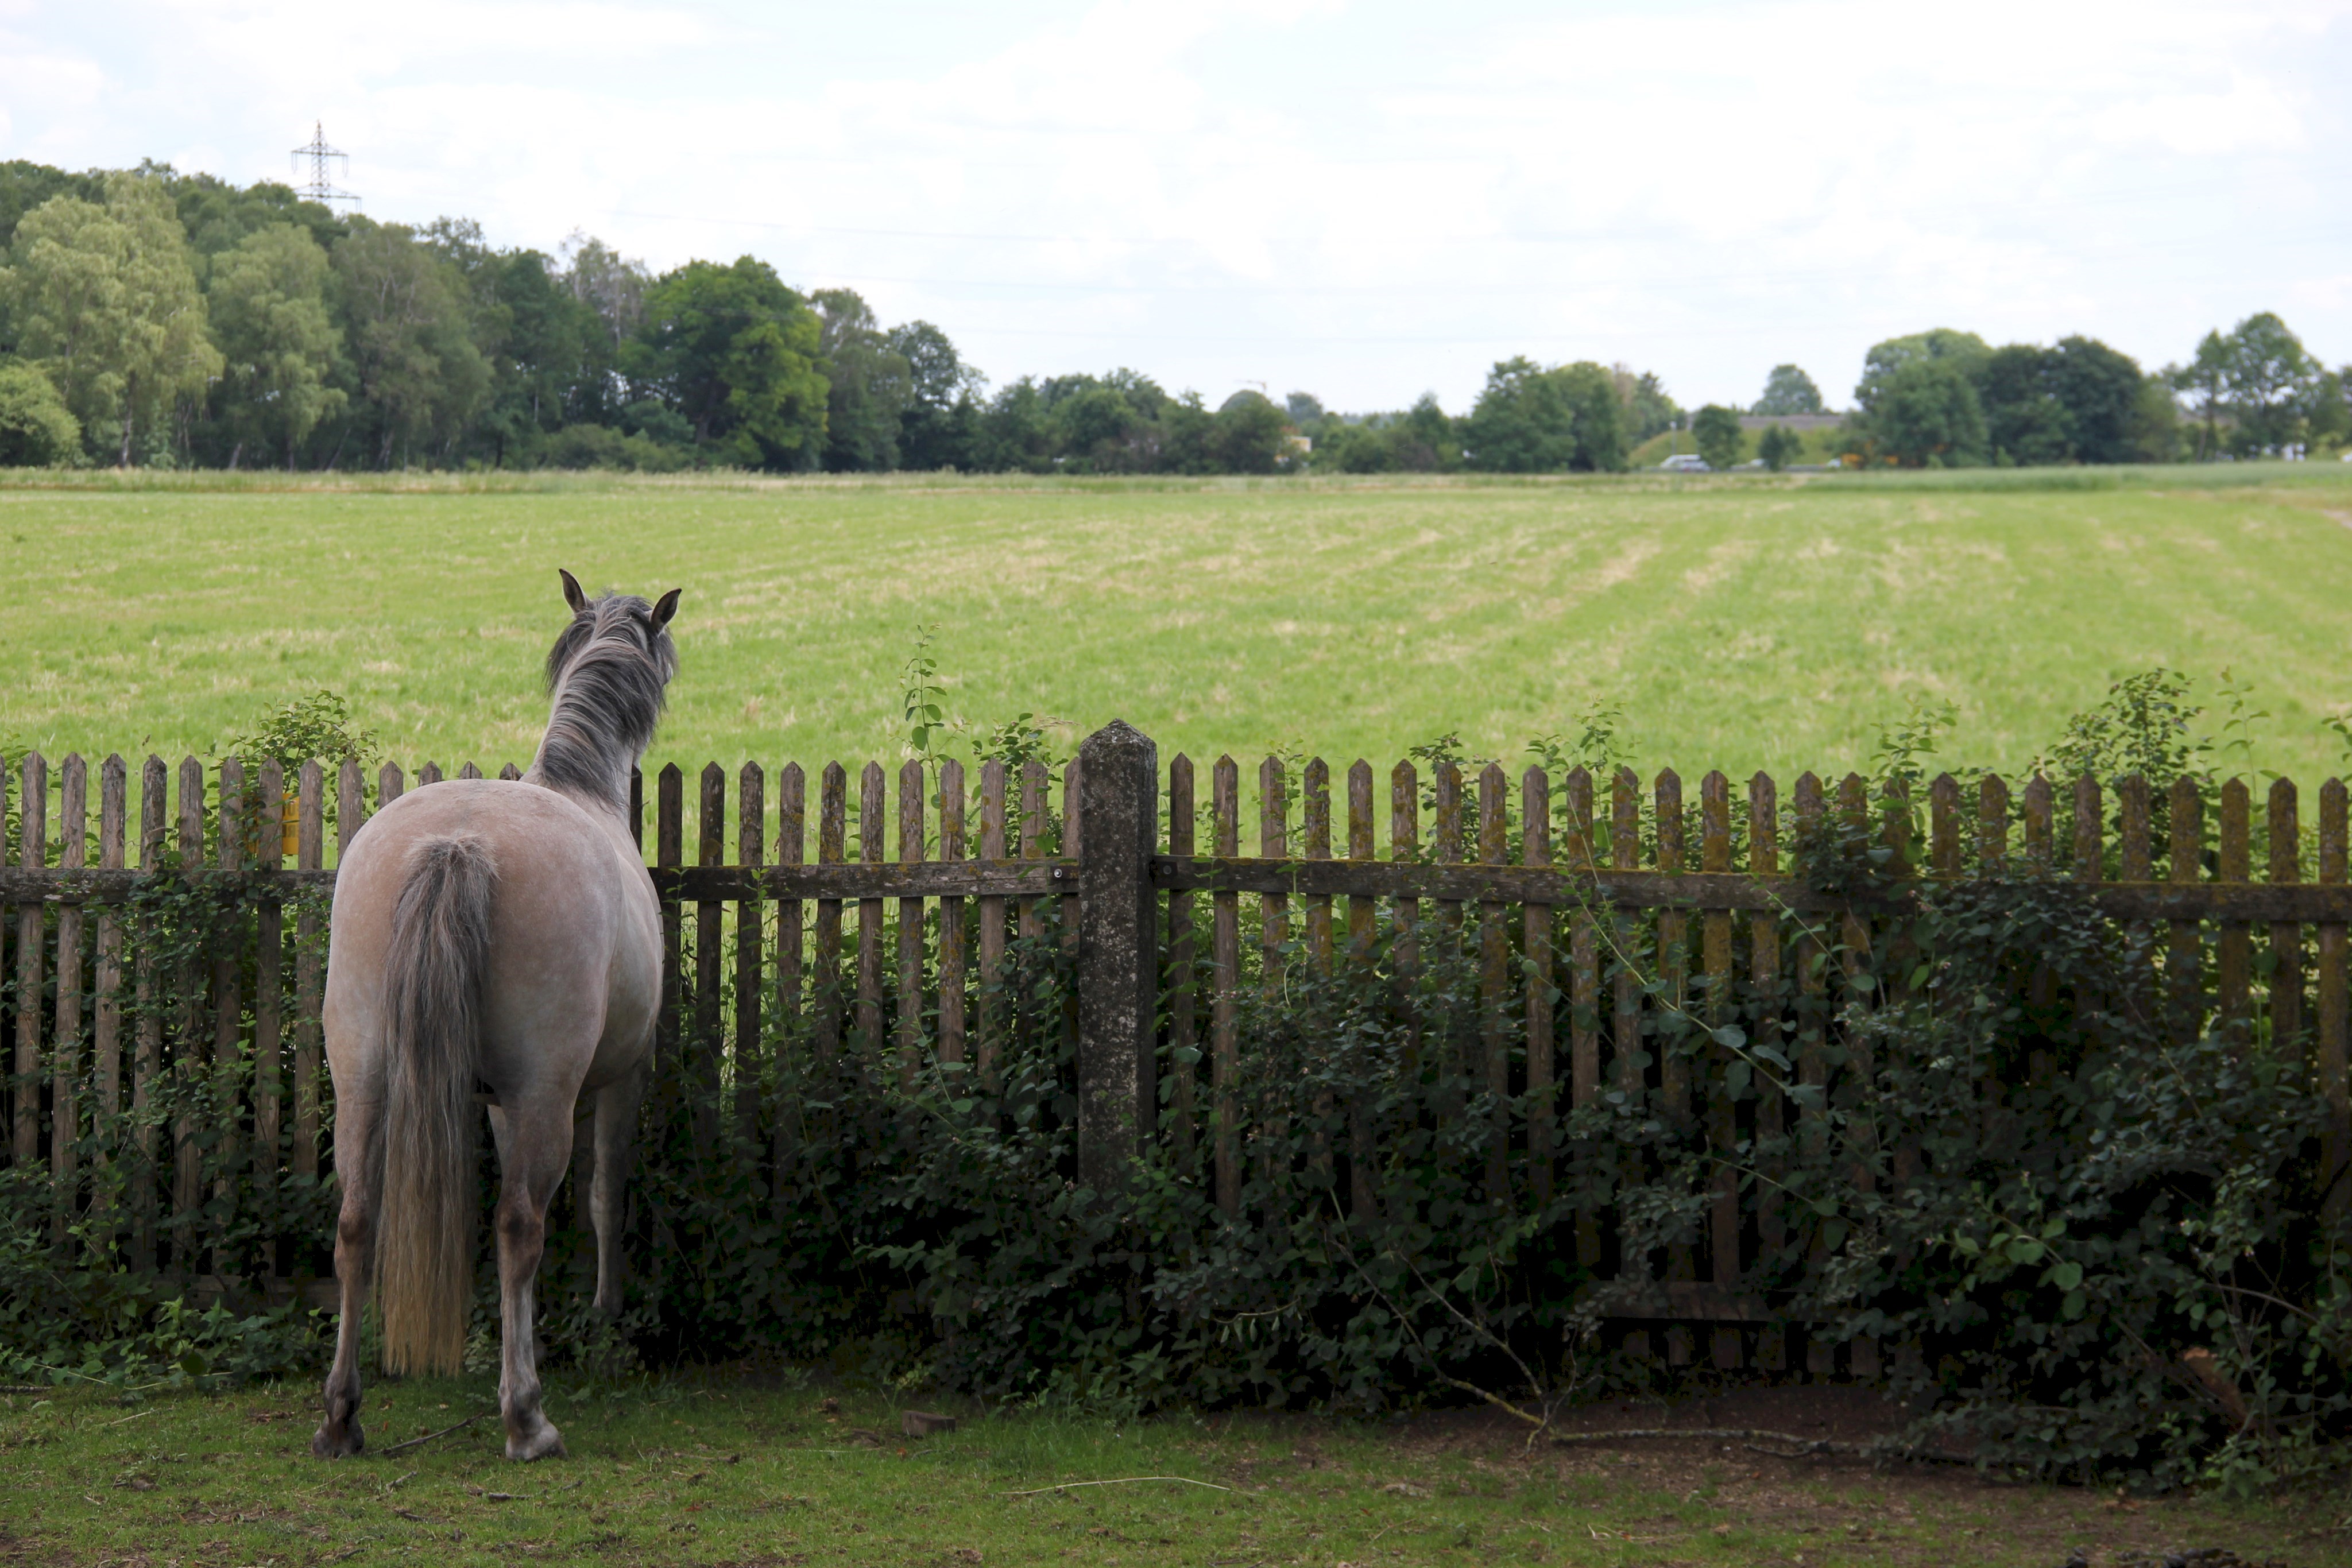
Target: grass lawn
[(744, 1472), (1739, 622)]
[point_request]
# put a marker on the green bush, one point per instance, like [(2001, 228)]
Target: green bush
[(37, 429)]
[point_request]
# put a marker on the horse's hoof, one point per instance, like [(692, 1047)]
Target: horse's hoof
[(330, 1442), (547, 1443)]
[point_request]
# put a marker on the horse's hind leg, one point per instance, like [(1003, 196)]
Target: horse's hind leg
[(616, 1125), (339, 1433), (532, 1153)]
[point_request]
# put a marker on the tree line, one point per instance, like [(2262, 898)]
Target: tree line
[(150, 317)]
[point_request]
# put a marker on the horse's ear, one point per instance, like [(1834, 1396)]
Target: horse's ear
[(666, 608), (572, 594)]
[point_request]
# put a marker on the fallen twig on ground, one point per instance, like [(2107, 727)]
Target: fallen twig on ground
[(1121, 1482), (428, 1436), (1793, 1446)]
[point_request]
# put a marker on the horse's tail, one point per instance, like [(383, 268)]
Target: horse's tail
[(432, 984)]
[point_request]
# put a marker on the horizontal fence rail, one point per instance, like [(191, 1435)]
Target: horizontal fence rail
[(167, 1065)]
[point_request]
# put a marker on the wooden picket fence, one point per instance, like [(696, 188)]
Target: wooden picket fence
[(888, 933)]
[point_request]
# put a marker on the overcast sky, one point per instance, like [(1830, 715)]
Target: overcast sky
[(1364, 201)]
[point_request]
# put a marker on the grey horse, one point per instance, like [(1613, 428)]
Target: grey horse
[(501, 938)]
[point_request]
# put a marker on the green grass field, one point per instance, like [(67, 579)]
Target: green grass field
[(743, 1473), (1739, 622)]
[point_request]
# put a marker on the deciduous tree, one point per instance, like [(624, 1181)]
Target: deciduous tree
[(1788, 390), (736, 352), (278, 340), (1720, 440)]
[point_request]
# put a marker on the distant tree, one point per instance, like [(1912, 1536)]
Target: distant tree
[(1597, 416), (37, 429), (1645, 408), (1014, 432), (1924, 413), (2153, 433), (869, 384), (737, 353), (607, 283), (2331, 409), (1965, 348), (2099, 388), (104, 300), (408, 330), (1521, 424), (2025, 422), (1776, 444), (25, 185), (1306, 411), (2205, 379), (1251, 436), (1788, 390), (1717, 430), (2271, 380), (278, 341), (218, 217), (942, 418)]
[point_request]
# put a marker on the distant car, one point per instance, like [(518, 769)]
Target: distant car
[(1685, 463)]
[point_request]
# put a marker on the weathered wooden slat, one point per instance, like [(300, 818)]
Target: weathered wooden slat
[(1862, 980), (1583, 992), (2285, 984), (1272, 844), (951, 916), (1722, 1109), (1404, 853), (873, 849), (832, 850), (1771, 1104), (993, 1012), (1225, 1015), (147, 1063), (1536, 925), (268, 976), (1992, 823), (709, 954), (188, 1044), (792, 1003), (1363, 937), (2184, 951), (2040, 815), (913, 846), (390, 785), (309, 968), (1033, 841), (66, 1069), (1184, 1025), (1446, 786), (1943, 826), (32, 854), (1624, 856), (1674, 1038), (2335, 1085), (1314, 804), (428, 774), (2135, 862), (1495, 980), (2233, 945), (106, 996), (669, 852), (510, 773), (750, 920)]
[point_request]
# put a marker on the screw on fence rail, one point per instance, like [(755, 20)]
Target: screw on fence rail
[(1117, 954)]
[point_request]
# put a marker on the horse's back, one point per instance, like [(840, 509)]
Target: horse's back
[(574, 953)]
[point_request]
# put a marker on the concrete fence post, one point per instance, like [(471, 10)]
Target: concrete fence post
[(1119, 779)]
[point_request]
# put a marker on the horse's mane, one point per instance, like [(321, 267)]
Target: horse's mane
[(607, 673)]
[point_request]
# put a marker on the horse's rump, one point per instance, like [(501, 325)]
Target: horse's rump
[(432, 1002)]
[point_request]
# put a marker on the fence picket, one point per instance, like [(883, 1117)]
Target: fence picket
[(148, 1061), (1315, 808), (65, 1048), (1992, 823), (1274, 844), (710, 953), (228, 1010), (913, 836), (105, 997), (669, 853), (2285, 984), (188, 1047), (832, 849), (2333, 1083), (1583, 994), (1404, 845), (792, 849), (1771, 1106), (992, 1008), (1722, 1111), (951, 916), (1225, 961), (1184, 1026), (32, 854), (1363, 918), (1495, 980), (309, 970), (873, 849), (1537, 920), (268, 980), (2185, 952), (2233, 942), (750, 920)]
